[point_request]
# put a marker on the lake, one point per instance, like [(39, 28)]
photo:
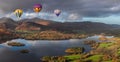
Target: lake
[(39, 48)]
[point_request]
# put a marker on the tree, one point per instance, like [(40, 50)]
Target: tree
[(46, 58), (75, 50)]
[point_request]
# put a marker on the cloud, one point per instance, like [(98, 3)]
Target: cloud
[(31, 15), (2, 13), (38, 15), (45, 15), (10, 15), (73, 17), (80, 6), (115, 8), (84, 8)]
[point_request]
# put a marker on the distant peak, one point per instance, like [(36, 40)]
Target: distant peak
[(6, 19)]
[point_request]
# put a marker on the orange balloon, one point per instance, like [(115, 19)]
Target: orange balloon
[(37, 8)]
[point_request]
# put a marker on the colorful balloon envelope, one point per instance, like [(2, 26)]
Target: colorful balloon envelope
[(57, 12), (37, 8), (18, 12)]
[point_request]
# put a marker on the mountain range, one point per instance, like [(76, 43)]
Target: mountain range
[(40, 24)]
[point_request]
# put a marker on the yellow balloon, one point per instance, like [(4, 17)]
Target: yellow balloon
[(18, 12)]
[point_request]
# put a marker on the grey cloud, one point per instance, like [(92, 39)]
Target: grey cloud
[(85, 8)]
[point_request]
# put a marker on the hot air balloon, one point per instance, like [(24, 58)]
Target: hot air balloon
[(18, 12), (37, 8), (57, 12)]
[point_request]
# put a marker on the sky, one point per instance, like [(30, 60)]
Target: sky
[(106, 11)]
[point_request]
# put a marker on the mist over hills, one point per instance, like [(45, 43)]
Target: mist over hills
[(40, 24)]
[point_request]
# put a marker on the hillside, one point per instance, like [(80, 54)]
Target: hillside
[(8, 23), (70, 27)]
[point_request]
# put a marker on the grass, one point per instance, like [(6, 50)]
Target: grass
[(118, 51), (72, 57), (94, 58), (105, 45), (108, 61)]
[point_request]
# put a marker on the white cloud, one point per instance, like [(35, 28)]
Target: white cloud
[(31, 15), (114, 8), (64, 16), (74, 16), (1, 12), (39, 15), (10, 15)]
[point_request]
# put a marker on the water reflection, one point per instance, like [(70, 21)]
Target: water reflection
[(39, 48)]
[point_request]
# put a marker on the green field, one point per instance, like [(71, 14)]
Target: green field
[(72, 57), (94, 58), (105, 45)]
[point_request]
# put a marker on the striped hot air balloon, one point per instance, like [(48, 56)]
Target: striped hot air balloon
[(18, 12)]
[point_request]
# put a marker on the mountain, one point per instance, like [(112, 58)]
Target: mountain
[(38, 21), (29, 26), (8, 23), (40, 24), (83, 27), (115, 26), (34, 24)]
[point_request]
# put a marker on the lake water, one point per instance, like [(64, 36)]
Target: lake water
[(39, 48)]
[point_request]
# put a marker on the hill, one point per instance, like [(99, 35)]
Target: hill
[(8, 23), (69, 27)]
